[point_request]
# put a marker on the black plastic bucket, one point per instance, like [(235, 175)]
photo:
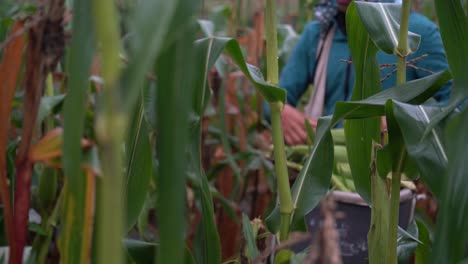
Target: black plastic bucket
[(353, 227)]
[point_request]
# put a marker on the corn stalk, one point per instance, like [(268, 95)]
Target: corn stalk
[(284, 191), (398, 164), (110, 127)]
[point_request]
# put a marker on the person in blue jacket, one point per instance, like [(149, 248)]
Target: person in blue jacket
[(300, 69)]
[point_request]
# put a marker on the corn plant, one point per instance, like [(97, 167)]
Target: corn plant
[(367, 29), (398, 137)]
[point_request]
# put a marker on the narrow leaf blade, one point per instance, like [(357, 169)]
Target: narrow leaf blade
[(139, 165), (451, 239), (381, 20), (361, 133)]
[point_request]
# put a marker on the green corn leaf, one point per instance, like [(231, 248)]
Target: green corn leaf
[(173, 101), (225, 204), (139, 165), (249, 236), (310, 132), (360, 133), (451, 238), (453, 23), (408, 241), (77, 221), (413, 92), (465, 6), (423, 251), (208, 54), (384, 166), (47, 106), (428, 152), (148, 41), (212, 246), (149, 104), (381, 20), (47, 189), (313, 180), (284, 256), (141, 252), (306, 189), (207, 27), (81, 52), (410, 234), (209, 246), (270, 92), (224, 134), (399, 154), (143, 218), (380, 213), (75, 243)]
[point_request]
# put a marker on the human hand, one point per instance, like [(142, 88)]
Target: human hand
[(294, 129), (383, 129)]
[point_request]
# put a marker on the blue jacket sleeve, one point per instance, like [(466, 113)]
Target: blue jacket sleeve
[(436, 61), (296, 73)]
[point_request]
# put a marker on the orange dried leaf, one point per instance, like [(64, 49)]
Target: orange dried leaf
[(50, 147)]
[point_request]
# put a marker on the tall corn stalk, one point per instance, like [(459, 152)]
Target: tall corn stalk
[(397, 167), (284, 191), (110, 126)]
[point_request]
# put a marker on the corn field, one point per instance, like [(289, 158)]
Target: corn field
[(134, 131)]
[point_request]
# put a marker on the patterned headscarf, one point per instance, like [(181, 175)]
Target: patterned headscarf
[(324, 12)]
